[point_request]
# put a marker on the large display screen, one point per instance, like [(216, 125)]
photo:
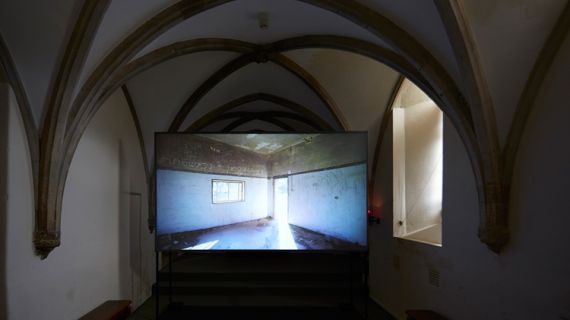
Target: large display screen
[(261, 191)]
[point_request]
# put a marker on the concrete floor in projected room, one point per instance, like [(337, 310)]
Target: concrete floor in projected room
[(261, 234)]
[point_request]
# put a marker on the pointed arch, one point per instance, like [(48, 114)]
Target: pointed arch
[(232, 126), (260, 96), (259, 56), (7, 64), (137, 123), (412, 60), (52, 174), (382, 130), (493, 229), (447, 97), (245, 116), (532, 87)]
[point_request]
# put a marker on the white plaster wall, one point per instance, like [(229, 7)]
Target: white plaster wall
[(332, 202), (531, 278), (90, 265), (360, 86), (184, 201), (4, 121)]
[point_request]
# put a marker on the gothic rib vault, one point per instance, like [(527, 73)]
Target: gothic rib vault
[(82, 81)]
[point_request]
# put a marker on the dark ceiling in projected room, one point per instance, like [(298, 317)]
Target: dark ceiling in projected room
[(260, 143)]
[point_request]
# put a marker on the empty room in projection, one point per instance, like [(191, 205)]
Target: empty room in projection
[(261, 191)]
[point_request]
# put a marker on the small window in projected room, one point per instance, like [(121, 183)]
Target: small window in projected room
[(418, 166), (224, 191)]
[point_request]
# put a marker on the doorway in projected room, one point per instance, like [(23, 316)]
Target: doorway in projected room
[(261, 192), (280, 199), (281, 212)]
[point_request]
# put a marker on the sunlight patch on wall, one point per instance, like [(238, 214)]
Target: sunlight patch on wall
[(418, 166)]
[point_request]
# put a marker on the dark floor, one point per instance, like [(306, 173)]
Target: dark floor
[(147, 312), (311, 240), (262, 313), (262, 285), (261, 234)]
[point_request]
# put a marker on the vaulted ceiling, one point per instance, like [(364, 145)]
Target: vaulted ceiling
[(36, 32), (318, 65)]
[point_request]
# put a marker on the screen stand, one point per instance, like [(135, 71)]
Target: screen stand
[(350, 276), (366, 287), (157, 286), (362, 272), (169, 278)]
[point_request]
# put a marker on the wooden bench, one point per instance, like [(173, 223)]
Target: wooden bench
[(424, 315), (110, 310)]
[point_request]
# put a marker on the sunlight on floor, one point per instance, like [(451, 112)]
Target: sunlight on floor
[(285, 236), (203, 246)]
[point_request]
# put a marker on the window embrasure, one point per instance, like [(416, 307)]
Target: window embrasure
[(418, 166)]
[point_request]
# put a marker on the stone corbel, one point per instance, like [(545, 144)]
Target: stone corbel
[(493, 223), (53, 150), (45, 242)]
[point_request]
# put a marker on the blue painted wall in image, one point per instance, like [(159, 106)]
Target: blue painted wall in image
[(184, 201), (332, 202)]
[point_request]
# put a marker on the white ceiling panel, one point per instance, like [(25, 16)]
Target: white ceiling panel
[(266, 126), (260, 106), (239, 20), (117, 25), (218, 125), (159, 92), (421, 19), (360, 86), (35, 32), (510, 35), (253, 78)]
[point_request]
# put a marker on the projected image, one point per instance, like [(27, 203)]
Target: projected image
[(261, 191)]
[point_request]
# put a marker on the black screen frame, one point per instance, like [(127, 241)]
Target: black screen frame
[(364, 250)]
